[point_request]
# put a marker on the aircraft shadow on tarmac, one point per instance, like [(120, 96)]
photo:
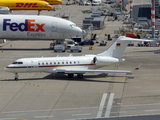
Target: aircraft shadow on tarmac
[(87, 78)]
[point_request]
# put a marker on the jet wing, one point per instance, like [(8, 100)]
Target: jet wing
[(90, 71)]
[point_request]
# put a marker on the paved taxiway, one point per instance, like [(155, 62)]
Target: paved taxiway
[(45, 96)]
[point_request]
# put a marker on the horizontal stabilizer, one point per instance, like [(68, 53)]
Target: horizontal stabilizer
[(133, 39)]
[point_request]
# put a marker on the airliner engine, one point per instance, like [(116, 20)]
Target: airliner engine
[(102, 60)]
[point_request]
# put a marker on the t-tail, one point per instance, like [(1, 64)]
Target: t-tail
[(118, 47)]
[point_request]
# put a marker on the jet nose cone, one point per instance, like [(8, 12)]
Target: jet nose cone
[(60, 2), (50, 7), (8, 69), (77, 31)]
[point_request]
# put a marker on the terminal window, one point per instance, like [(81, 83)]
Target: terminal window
[(144, 12)]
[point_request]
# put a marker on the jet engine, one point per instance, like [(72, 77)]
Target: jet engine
[(4, 10), (102, 60)]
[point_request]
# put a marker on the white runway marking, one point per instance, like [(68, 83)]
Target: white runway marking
[(104, 97), (8, 118), (152, 110), (43, 116), (81, 114), (120, 112), (109, 106)]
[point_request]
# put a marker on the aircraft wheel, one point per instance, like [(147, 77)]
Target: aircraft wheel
[(70, 75), (16, 76), (80, 76)]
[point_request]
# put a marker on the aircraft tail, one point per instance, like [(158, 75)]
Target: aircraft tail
[(118, 47)]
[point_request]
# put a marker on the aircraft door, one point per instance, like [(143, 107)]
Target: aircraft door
[(54, 27), (29, 66), (58, 30), (54, 30), (1, 35), (32, 66)]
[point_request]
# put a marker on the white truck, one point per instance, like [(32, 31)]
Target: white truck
[(76, 49), (69, 43), (59, 48), (96, 2)]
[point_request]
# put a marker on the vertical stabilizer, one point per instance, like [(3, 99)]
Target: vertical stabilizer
[(118, 47)]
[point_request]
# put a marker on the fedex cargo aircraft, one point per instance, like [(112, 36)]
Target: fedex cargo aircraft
[(36, 27)]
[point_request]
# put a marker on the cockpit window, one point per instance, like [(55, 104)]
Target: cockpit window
[(73, 25), (47, 4), (17, 63)]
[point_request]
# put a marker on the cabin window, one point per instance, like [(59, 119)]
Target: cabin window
[(78, 62), (39, 64), (46, 63), (74, 62), (66, 62), (62, 62), (54, 62), (58, 62), (42, 63), (70, 62), (50, 63)]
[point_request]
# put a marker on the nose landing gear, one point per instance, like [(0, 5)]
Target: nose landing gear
[(16, 76)]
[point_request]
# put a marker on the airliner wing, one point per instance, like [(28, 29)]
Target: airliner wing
[(91, 71)]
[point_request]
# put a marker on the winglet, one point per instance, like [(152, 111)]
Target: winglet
[(138, 67)]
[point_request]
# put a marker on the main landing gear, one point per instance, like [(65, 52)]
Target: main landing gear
[(39, 11), (71, 75), (16, 76), (80, 76)]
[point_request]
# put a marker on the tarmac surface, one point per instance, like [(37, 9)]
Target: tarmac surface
[(43, 96)]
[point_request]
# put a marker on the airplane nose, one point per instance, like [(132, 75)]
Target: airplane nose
[(60, 2), (51, 7), (78, 31), (8, 69)]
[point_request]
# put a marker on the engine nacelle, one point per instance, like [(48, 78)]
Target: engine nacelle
[(102, 60), (4, 10)]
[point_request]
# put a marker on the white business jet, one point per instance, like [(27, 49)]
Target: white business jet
[(36, 27), (74, 64)]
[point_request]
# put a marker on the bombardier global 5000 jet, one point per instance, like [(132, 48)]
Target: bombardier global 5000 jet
[(74, 64)]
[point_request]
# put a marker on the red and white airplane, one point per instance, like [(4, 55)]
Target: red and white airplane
[(74, 64)]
